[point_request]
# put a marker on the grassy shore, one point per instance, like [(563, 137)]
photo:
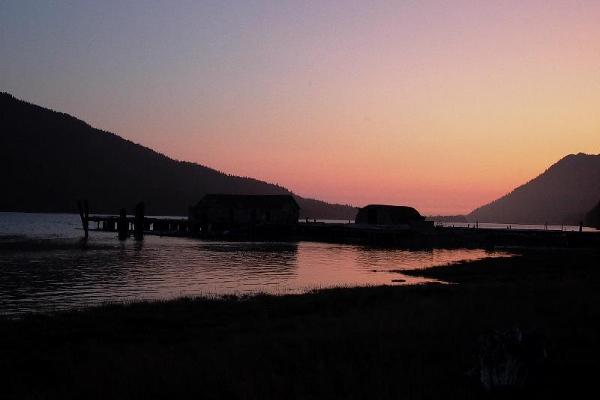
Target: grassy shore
[(347, 343)]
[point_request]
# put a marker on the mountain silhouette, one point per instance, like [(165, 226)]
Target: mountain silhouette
[(563, 194), (50, 159)]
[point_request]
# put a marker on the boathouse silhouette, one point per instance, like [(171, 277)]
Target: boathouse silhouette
[(379, 214), (221, 213)]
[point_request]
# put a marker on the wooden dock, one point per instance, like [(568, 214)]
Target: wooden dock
[(369, 235), (445, 237), (363, 234), (163, 226)]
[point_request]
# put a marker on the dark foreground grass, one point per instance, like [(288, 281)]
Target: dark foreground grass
[(360, 343)]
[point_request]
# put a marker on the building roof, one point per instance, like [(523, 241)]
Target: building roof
[(248, 200), (399, 212)]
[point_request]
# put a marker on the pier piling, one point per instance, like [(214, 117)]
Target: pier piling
[(138, 224), (84, 214), (123, 224)]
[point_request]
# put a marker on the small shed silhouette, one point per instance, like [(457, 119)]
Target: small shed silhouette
[(378, 214), (227, 212)]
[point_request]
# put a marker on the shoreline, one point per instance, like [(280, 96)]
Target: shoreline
[(368, 342)]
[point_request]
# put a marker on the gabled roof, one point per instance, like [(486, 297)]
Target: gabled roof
[(248, 200), (401, 212)]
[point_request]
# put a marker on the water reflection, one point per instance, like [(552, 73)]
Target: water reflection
[(58, 274)]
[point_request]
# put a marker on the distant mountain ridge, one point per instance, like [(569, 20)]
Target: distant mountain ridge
[(50, 159), (563, 194)]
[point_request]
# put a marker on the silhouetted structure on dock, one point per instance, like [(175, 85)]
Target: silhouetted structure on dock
[(123, 225), (398, 216), (138, 224), (225, 214), (84, 214)]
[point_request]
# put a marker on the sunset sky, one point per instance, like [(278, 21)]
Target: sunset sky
[(441, 105)]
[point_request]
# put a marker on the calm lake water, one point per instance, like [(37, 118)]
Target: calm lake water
[(45, 267)]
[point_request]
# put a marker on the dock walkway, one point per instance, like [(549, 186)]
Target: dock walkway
[(152, 225), (400, 236)]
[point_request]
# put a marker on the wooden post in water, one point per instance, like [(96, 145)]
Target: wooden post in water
[(122, 225), (84, 214), (138, 224)]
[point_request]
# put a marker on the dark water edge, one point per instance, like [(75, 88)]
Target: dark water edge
[(413, 342), (45, 266), (53, 275)]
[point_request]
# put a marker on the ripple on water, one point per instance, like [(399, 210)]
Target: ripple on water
[(58, 276), (44, 266)]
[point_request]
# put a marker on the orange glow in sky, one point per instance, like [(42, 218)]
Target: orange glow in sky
[(439, 105)]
